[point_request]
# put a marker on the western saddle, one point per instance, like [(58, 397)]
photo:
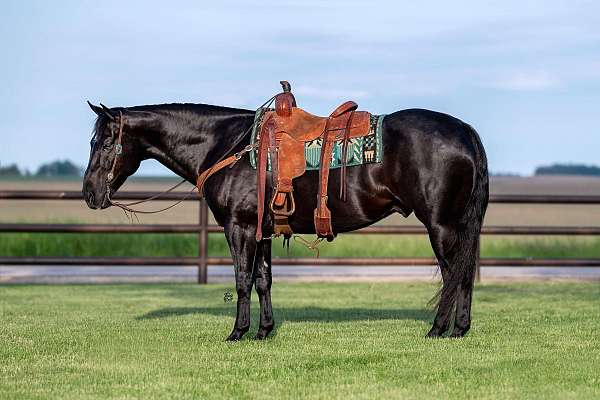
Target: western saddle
[(283, 133)]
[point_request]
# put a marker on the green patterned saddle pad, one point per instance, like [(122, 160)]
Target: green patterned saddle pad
[(361, 150)]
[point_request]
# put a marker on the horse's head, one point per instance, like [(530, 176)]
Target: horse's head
[(115, 154)]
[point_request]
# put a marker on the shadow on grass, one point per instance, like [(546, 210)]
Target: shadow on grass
[(303, 314)]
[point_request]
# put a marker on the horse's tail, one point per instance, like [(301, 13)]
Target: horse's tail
[(470, 225), (466, 257)]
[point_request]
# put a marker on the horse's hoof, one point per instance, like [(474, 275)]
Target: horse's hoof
[(262, 334), (235, 336), (459, 332), (434, 332)]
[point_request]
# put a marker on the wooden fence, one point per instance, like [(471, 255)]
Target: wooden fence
[(203, 228)]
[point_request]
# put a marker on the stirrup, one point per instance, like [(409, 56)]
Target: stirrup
[(283, 210)]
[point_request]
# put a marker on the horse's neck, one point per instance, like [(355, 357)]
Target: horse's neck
[(187, 148)]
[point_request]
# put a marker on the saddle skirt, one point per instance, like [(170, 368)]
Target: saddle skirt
[(288, 134)]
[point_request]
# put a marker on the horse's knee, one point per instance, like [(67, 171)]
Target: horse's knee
[(243, 284), (263, 285)]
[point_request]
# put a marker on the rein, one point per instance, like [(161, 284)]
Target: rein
[(223, 162)]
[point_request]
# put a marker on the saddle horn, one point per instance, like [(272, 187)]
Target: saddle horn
[(285, 101), (285, 85)]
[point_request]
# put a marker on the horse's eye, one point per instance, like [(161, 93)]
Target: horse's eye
[(107, 143)]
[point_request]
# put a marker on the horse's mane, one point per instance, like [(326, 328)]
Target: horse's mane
[(199, 109)]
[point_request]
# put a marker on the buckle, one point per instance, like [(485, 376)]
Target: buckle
[(247, 149)]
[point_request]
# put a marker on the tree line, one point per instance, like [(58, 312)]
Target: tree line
[(568, 169), (53, 168)]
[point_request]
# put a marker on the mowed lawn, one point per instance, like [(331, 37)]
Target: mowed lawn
[(530, 340)]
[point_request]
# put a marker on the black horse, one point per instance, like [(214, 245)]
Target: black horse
[(433, 165)]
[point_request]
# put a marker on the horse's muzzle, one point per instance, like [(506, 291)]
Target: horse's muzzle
[(93, 200)]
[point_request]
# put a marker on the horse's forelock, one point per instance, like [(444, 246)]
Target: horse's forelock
[(99, 126)]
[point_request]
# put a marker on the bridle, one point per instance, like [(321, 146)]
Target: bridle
[(118, 152), (223, 162), (111, 175)]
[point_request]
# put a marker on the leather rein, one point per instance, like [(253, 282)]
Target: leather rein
[(224, 161)]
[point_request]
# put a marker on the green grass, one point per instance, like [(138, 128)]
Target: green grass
[(37, 244), (332, 341)]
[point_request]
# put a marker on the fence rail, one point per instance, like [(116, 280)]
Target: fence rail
[(203, 228)]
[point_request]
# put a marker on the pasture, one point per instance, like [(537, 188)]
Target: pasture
[(346, 341), (332, 340), (186, 245), (187, 212), (382, 246)]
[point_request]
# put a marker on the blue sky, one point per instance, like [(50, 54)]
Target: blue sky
[(525, 74)]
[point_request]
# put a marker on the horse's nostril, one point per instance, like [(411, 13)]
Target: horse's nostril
[(90, 197)]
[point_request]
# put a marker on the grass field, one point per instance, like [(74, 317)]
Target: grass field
[(332, 341), (175, 245)]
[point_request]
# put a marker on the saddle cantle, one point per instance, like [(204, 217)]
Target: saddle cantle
[(282, 136)]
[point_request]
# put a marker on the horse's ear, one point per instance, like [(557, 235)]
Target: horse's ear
[(108, 112), (96, 109)]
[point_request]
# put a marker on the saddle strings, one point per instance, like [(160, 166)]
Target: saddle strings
[(313, 245)]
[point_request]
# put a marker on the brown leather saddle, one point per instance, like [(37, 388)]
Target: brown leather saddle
[(282, 136)]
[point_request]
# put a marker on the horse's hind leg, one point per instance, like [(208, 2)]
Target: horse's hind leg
[(263, 281), (456, 251), (443, 241), (243, 248), (469, 243)]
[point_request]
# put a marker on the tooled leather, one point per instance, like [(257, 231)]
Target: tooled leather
[(304, 126), (322, 213), (286, 136), (261, 170), (292, 162), (344, 108), (284, 104)]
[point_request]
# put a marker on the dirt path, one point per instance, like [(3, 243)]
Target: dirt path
[(32, 274)]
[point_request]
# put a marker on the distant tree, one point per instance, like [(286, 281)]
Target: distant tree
[(59, 168), (568, 169), (505, 174), (10, 170)]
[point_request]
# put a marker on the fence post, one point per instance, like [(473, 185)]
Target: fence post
[(478, 262), (203, 243)]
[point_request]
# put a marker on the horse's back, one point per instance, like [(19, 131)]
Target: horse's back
[(439, 157), (418, 124)]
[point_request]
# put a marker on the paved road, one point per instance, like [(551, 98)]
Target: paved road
[(33, 274)]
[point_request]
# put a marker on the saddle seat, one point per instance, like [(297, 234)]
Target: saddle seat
[(306, 127), (283, 135)]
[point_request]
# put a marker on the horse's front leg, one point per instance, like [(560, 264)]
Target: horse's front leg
[(243, 248), (263, 288)]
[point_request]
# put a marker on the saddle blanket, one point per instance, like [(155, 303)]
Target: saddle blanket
[(361, 150)]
